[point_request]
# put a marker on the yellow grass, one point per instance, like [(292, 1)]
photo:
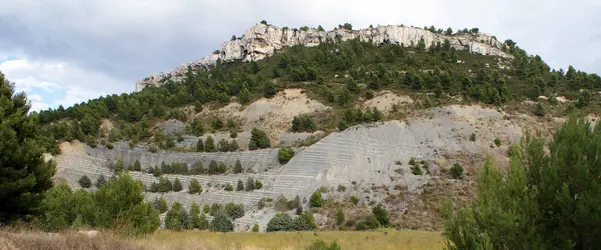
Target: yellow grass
[(418, 240)]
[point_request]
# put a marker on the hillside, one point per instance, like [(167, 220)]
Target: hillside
[(382, 115)]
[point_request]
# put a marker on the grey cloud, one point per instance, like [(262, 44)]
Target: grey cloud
[(131, 39)]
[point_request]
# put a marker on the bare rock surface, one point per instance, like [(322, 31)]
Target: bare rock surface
[(261, 41)]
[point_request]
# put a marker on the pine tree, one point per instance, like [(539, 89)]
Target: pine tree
[(240, 186), (194, 216), (85, 182), (210, 144), (194, 187), (238, 167), (100, 181), (250, 184), (137, 166), (23, 173), (177, 185)]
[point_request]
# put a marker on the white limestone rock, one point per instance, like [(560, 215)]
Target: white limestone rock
[(263, 40)]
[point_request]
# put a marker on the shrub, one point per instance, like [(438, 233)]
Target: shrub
[(255, 228), (161, 205), (228, 187), (221, 223), (341, 188), (551, 212), (165, 185), (280, 222), (200, 146), (339, 217), (209, 144), (100, 181), (258, 140), (473, 137), (177, 186), (316, 199), (497, 142), (303, 123), (234, 211), (285, 154), (85, 182), (250, 184), (354, 199), (457, 171), (194, 187), (176, 218), (137, 166), (416, 170), (381, 214), (322, 245), (110, 146), (238, 167), (206, 209), (258, 184), (240, 186), (215, 209), (282, 204)]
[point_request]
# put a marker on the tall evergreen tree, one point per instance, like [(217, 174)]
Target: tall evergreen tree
[(24, 176)]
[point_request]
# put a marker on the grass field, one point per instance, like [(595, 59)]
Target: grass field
[(418, 240)]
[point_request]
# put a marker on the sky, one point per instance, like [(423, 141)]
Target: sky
[(62, 52)]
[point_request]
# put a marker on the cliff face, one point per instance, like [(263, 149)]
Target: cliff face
[(262, 40)]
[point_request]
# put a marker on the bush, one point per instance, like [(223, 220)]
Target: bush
[(316, 199), (228, 187), (206, 209), (85, 182), (339, 217), (209, 144), (303, 123), (177, 186), (161, 205), (234, 211), (238, 167), (283, 222), (354, 199), (222, 223), (473, 137), (258, 140), (200, 146), (255, 228), (215, 209), (551, 212), (497, 142), (240, 186), (137, 166), (285, 154), (250, 184), (176, 218), (341, 188), (165, 185), (100, 181), (194, 187), (258, 184), (322, 245), (457, 171), (381, 214), (416, 169)]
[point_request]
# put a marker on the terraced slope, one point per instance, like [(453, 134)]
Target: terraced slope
[(365, 154)]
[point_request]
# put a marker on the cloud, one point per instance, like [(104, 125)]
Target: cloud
[(121, 41)]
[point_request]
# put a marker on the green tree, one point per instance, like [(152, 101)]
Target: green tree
[(194, 216), (381, 214), (457, 171), (24, 176), (228, 187), (119, 165), (250, 184), (222, 223), (210, 144), (176, 218), (339, 217), (244, 96), (233, 210), (316, 199), (177, 185), (238, 167), (100, 181), (200, 146), (240, 186), (258, 139), (165, 185), (285, 154), (85, 182), (137, 166), (194, 187), (161, 205), (558, 194)]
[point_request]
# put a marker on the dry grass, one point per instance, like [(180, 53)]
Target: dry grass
[(293, 240), (164, 239)]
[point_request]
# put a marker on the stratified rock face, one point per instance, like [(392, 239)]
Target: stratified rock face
[(262, 40)]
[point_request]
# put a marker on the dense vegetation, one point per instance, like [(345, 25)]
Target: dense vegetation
[(119, 205), (24, 176), (420, 68), (542, 201)]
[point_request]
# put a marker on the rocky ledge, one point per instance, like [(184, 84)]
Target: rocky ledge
[(262, 40)]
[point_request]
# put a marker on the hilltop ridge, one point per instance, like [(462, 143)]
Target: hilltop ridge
[(262, 40)]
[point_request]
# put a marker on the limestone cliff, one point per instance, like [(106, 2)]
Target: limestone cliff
[(262, 40)]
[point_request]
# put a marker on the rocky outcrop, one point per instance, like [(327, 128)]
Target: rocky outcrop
[(263, 40)]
